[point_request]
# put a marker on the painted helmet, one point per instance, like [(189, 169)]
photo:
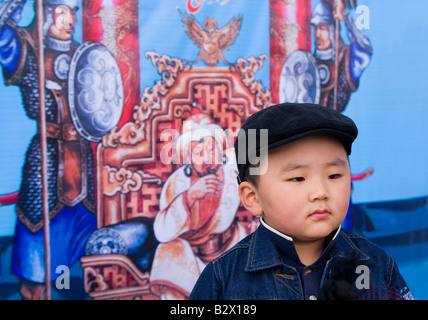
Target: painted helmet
[(72, 4), (323, 13)]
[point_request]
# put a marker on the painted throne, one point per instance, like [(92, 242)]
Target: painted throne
[(131, 174)]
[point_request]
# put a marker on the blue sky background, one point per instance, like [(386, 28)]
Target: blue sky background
[(390, 106)]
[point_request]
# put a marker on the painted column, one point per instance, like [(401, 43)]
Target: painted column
[(290, 30)]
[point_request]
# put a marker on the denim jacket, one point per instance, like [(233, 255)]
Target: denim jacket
[(255, 269)]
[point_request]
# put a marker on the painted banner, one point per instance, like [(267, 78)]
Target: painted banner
[(142, 101)]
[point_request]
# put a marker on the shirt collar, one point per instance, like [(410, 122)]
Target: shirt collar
[(264, 254), (287, 249)]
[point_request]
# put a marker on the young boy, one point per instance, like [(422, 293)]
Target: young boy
[(301, 193)]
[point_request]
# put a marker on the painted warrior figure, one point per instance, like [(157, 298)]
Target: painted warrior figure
[(333, 71), (69, 158), (198, 204), (352, 59)]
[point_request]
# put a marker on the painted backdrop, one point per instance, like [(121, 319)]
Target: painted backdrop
[(142, 103)]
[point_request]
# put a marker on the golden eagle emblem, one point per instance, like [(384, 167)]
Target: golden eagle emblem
[(211, 40)]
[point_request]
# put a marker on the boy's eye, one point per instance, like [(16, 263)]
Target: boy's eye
[(334, 176), (297, 179)]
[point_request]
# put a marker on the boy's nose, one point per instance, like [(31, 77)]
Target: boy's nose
[(319, 192)]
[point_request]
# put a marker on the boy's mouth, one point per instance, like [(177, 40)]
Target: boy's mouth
[(320, 214)]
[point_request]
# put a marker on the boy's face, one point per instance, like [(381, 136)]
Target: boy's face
[(306, 189)]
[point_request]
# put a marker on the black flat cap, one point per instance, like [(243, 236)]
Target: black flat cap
[(287, 122)]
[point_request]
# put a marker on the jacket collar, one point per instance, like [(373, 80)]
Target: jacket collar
[(263, 253)]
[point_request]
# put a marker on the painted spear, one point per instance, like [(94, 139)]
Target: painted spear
[(336, 59), (43, 146), (347, 4)]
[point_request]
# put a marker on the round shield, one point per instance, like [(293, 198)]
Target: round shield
[(299, 80), (96, 91), (105, 241)]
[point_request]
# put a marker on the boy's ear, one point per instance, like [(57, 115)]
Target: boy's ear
[(249, 198)]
